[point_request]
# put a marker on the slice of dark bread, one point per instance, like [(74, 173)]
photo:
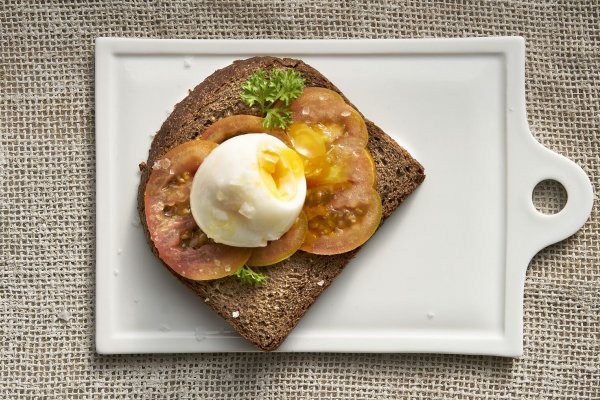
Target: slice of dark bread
[(265, 315)]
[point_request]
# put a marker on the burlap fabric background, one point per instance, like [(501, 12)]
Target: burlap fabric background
[(47, 205)]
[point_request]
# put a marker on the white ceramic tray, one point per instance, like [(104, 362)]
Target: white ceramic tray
[(446, 271)]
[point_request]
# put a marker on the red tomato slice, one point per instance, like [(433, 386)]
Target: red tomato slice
[(321, 94), (228, 127), (282, 248), (326, 107), (179, 241), (340, 218)]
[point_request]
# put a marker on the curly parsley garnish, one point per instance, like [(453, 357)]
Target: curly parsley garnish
[(249, 277), (273, 95)]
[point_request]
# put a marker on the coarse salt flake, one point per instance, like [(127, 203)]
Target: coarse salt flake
[(235, 314), (220, 215), (165, 163), (321, 283), (247, 210)]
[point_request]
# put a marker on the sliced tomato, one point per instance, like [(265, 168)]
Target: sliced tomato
[(342, 206), (235, 125), (282, 248), (322, 95), (341, 165), (340, 217), (327, 109), (179, 241)]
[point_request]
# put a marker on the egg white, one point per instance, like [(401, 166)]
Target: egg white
[(230, 201)]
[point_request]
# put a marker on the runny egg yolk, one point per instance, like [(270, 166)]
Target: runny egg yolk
[(280, 170)]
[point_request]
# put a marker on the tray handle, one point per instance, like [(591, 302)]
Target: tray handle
[(541, 164)]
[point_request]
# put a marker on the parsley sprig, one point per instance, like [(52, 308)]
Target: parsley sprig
[(273, 94), (249, 277)]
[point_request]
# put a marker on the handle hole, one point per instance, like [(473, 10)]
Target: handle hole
[(549, 197)]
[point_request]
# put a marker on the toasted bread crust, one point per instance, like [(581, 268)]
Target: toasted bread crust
[(268, 313)]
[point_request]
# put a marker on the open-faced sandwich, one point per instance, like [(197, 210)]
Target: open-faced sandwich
[(261, 186)]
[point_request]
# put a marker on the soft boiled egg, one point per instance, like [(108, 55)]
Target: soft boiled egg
[(248, 191)]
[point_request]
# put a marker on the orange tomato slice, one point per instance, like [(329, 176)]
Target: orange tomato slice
[(327, 108), (282, 248), (342, 206), (340, 218)]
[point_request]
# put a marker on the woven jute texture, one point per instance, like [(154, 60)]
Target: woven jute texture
[(47, 205)]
